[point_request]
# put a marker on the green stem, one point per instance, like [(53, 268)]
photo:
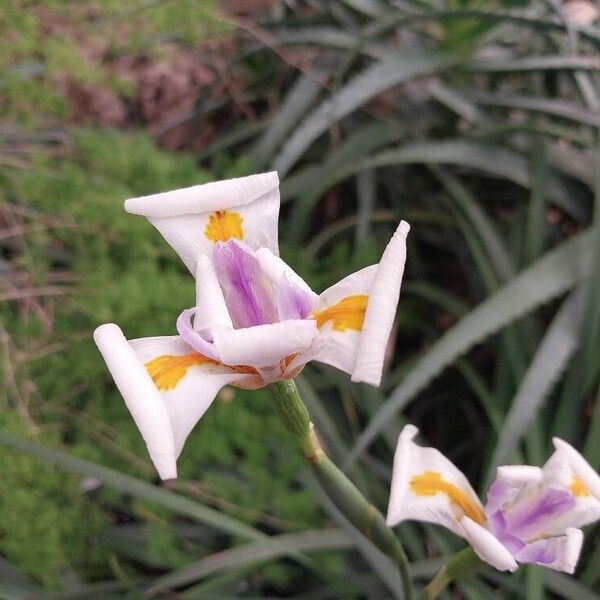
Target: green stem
[(463, 563), (343, 493)]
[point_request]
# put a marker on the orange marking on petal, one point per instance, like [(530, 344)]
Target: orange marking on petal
[(224, 225), (578, 488), (169, 369), (348, 313), (431, 483)]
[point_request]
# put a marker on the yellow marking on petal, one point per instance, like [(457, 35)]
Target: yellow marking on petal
[(169, 369), (224, 225), (578, 488), (431, 483), (348, 313)]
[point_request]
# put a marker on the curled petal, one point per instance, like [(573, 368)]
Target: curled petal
[(559, 553), (141, 397), (264, 346), (487, 546), (193, 219), (567, 469), (426, 486), (565, 453), (166, 386), (193, 338), (381, 309), (211, 310)]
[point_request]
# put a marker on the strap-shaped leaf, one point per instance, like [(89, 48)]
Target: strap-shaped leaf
[(373, 81), (549, 361)]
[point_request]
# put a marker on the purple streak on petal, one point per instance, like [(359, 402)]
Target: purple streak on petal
[(540, 552), (528, 518), (245, 288), (193, 338), (293, 302)]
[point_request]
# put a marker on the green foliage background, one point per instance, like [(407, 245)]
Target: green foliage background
[(476, 122)]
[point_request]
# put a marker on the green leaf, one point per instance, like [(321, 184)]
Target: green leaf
[(14, 585), (558, 108), (373, 81), (550, 360), (256, 552), (536, 63), (137, 488), (551, 275), (296, 103), (489, 158), (568, 588)]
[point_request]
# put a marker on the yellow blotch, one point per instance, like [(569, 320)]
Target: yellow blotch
[(578, 488), (169, 369), (431, 483), (348, 313), (224, 225)]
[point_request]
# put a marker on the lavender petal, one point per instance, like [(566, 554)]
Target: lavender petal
[(293, 302), (192, 337), (245, 288)]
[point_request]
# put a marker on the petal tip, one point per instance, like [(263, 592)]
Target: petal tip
[(403, 228), (107, 329)]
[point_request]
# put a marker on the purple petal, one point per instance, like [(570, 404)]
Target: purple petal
[(193, 338), (293, 302), (528, 518), (246, 291), (540, 552)]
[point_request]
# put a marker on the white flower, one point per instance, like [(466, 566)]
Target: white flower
[(255, 321), (532, 515)]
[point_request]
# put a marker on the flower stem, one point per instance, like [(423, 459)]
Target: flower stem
[(342, 492), (461, 564)]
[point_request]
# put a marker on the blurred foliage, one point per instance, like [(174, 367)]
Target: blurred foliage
[(475, 121), (42, 43)]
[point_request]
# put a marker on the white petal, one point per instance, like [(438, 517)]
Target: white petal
[(426, 486), (567, 468), (164, 416), (189, 399), (263, 346), (182, 215), (381, 309), (564, 550), (579, 465), (338, 348), (141, 397), (487, 546), (211, 311), (274, 267)]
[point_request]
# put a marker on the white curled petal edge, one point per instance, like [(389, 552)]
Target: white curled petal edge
[(381, 310), (264, 346), (487, 546), (141, 397)]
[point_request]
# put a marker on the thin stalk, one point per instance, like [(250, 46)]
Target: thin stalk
[(463, 563), (342, 492)]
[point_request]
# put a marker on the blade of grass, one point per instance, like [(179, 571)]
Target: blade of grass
[(551, 358), (253, 553), (136, 488), (557, 108), (492, 159), (303, 93), (373, 81), (536, 63)]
